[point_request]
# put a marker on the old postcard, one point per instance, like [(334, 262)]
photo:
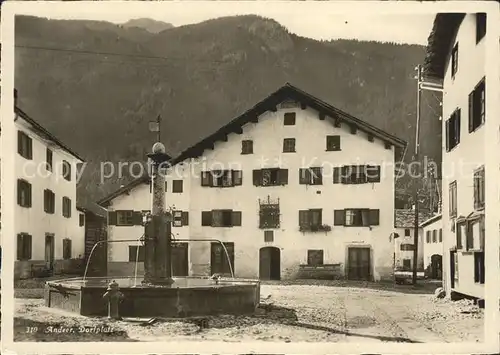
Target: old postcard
[(292, 177)]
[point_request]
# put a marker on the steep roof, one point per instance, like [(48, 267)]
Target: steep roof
[(405, 218), (270, 103), (430, 220), (92, 208), (44, 133)]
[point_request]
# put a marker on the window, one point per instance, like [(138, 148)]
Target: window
[(66, 248), (460, 233), (434, 236), (247, 147), (311, 176), (23, 246), (479, 267), (289, 119), (428, 236), (477, 106), (440, 239), (268, 236), (66, 207), (221, 218), (479, 188), (356, 174), (475, 234), (332, 143), (24, 145), (136, 253), (270, 177), (315, 257), (23, 193), (81, 221), (49, 201), (453, 199), (221, 178), (180, 218), (453, 130), (310, 220), (66, 170), (406, 264), (48, 159), (480, 26), (269, 216), (125, 218), (289, 145), (219, 259), (406, 247), (177, 186), (357, 217), (407, 232), (454, 60)]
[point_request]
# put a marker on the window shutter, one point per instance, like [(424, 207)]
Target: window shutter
[(20, 142), (476, 190), (344, 179), (137, 218), (19, 247), (257, 177), (206, 218), (339, 217), (236, 218), (469, 238), (27, 243), (132, 252), (30, 148), (206, 178), (19, 187), (459, 236), (471, 111), (303, 218), (373, 173), (365, 217), (185, 218), (458, 125), (336, 175), (112, 218), (447, 139), (374, 217), (28, 193), (283, 176), (304, 176), (237, 177)]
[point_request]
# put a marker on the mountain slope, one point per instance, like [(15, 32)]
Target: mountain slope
[(148, 24), (207, 74)]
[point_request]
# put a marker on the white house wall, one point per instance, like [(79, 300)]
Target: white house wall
[(35, 221), (460, 163), (432, 248), (268, 134), (400, 255)]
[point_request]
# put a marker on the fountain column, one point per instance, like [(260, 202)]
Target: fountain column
[(158, 249)]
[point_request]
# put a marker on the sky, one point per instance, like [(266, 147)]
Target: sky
[(306, 21)]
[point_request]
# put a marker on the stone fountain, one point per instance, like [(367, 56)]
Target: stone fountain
[(158, 294)]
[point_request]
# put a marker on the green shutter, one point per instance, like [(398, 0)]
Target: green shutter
[(303, 218), (283, 176), (185, 218), (112, 218), (336, 175), (257, 177), (237, 177), (236, 218), (206, 218), (374, 217), (339, 217)]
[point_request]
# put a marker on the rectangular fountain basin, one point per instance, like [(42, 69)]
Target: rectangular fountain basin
[(186, 297)]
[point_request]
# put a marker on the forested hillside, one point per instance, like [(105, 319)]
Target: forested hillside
[(208, 73)]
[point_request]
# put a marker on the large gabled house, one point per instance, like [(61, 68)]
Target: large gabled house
[(456, 54), (46, 224), (293, 186)]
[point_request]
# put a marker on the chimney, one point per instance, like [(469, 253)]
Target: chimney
[(15, 97)]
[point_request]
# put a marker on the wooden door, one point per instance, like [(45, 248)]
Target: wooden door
[(218, 259), (49, 252), (180, 264), (265, 263), (359, 265)]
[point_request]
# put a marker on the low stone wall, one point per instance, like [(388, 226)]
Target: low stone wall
[(26, 269), (321, 272)]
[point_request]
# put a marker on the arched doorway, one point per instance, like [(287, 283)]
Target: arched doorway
[(436, 266), (269, 263)]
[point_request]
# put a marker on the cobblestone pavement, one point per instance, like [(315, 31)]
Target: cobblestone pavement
[(319, 314)]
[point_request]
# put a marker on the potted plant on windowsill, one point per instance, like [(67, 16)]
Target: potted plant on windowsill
[(315, 228)]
